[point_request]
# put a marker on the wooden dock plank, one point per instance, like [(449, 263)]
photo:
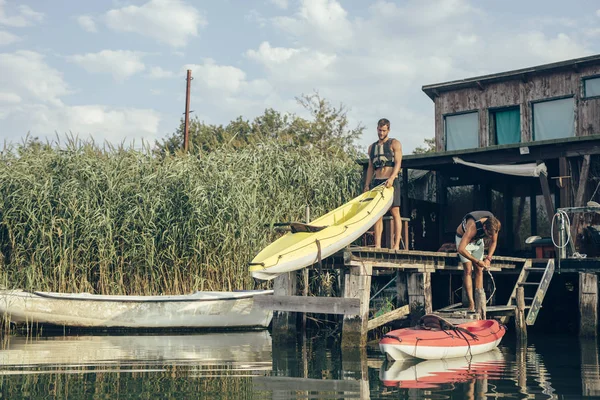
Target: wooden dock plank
[(309, 304), (388, 317)]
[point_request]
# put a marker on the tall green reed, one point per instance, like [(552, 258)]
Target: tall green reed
[(117, 220)]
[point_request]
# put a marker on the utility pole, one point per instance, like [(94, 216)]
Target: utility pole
[(186, 133)]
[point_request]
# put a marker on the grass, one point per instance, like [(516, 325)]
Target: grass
[(116, 220)]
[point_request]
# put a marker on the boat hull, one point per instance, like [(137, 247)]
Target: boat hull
[(436, 344), (343, 226), (210, 310)]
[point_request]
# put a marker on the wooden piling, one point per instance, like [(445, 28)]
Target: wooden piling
[(520, 326), (284, 323), (401, 289), (480, 303), (588, 304), (357, 285), (419, 295)]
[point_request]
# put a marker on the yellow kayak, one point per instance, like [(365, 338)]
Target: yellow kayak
[(305, 244)]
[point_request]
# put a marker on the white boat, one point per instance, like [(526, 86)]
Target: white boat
[(200, 310)]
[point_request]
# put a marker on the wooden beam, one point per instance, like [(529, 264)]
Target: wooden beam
[(309, 304), (588, 304), (388, 317)]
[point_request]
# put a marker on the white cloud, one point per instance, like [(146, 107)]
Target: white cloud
[(168, 21), (598, 13), (31, 97), (217, 77), (7, 38), (256, 17), (27, 74), (87, 23), (120, 63), (159, 73), (290, 64), (324, 20), (24, 17), (98, 121), (9, 98), (422, 13), (283, 4)]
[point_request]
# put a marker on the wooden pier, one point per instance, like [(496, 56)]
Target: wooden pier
[(412, 272)]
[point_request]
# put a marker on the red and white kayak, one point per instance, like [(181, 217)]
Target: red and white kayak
[(443, 340)]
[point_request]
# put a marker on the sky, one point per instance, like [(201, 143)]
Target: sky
[(114, 70)]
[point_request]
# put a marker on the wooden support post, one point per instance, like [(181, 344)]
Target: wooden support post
[(401, 289), (547, 196), (564, 184), (583, 176), (419, 295), (588, 304), (520, 326), (304, 293), (357, 284), (405, 207), (480, 302), (284, 327), (590, 367)]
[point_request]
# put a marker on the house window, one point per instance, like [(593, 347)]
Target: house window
[(554, 119), (505, 126), (591, 87), (462, 131)]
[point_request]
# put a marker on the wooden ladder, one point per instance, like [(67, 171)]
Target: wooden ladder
[(539, 283)]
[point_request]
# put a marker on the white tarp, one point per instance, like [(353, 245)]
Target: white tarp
[(519, 170)]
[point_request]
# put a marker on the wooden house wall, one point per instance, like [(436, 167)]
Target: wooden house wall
[(520, 92)]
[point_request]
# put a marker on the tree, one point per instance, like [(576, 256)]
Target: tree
[(327, 130), (427, 147)]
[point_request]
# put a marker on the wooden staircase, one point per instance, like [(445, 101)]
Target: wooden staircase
[(535, 282)]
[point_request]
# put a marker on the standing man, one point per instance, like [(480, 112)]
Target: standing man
[(385, 157), (474, 227)]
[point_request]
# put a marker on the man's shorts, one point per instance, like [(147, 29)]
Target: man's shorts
[(397, 194), (475, 248)]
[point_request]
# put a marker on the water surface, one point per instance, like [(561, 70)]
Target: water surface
[(249, 365)]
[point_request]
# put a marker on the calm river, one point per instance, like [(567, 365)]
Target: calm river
[(250, 366)]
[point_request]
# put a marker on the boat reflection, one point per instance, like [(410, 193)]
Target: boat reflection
[(237, 350), (418, 374)]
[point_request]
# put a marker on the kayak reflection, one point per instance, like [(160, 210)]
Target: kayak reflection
[(413, 373)]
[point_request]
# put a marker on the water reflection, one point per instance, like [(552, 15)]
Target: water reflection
[(428, 374), (249, 365)]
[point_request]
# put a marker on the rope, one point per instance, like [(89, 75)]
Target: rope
[(494, 284), (563, 214)]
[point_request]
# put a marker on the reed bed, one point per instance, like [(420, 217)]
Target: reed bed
[(115, 220)]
